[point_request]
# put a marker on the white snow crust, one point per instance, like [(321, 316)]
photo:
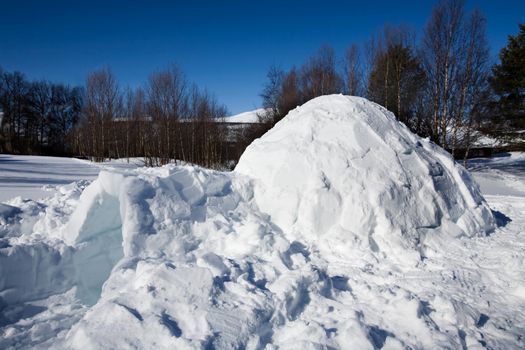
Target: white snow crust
[(338, 229)]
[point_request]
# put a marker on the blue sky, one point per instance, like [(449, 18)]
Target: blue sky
[(224, 46)]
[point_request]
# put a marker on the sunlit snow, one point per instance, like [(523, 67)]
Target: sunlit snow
[(339, 228)]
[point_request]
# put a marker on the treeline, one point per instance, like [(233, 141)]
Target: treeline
[(442, 86), (36, 117), (167, 119)]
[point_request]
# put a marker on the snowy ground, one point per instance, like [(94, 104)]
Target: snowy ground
[(183, 257), (34, 177), (502, 175)]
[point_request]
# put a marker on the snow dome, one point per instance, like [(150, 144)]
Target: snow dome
[(339, 167)]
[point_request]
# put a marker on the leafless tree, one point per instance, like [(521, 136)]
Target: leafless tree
[(472, 83), (102, 104), (396, 77), (12, 100), (353, 74), (319, 75), (455, 56), (271, 94), (166, 92), (441, 48)]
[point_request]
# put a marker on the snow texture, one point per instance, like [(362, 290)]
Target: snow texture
[(338, 229)]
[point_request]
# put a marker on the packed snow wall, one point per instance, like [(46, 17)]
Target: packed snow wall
[(292, 248)]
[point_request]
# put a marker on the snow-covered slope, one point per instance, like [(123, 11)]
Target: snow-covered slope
[(305, 255), (246, 117)]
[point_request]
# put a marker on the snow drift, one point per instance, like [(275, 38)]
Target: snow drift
[(304, 245)]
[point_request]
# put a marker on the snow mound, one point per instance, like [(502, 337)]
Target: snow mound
[(344, 170)]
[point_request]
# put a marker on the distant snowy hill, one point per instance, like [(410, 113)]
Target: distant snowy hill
[(246, 117), (338, 229)]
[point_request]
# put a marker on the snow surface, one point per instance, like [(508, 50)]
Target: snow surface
[(246, 117), (370, 238), (35, 177), (478, 138), (502, 175)]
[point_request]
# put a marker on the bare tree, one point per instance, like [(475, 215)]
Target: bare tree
[(102, 103), (287, 90), (66, 107), (166, 101), (319, 75), (455, 56), (472, 83), (352, 71), (272, 93), (292, 93), (281, 94), (396, 77), (13, 101), (441, 48), (38, 119)]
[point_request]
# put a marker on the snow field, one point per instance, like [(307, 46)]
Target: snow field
[(338, 229), (37, 176)]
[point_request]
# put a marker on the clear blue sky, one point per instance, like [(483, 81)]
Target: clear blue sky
[(225, 46)]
